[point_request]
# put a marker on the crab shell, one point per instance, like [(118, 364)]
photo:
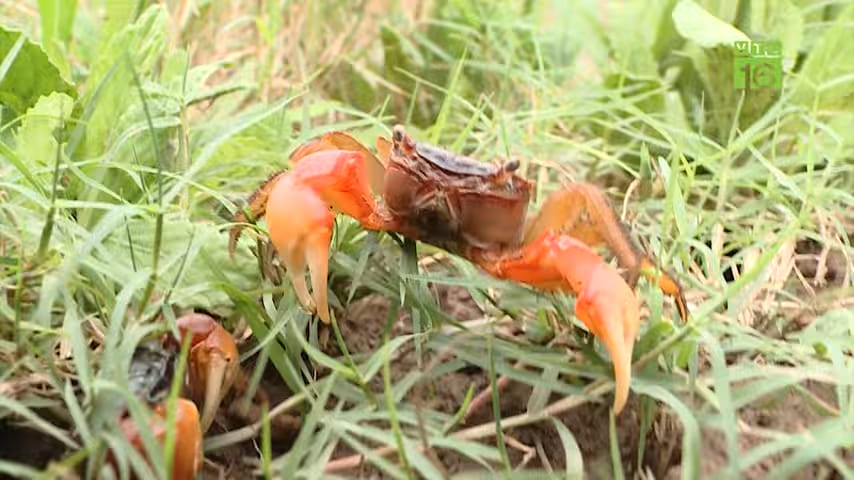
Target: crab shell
[(454, 202)]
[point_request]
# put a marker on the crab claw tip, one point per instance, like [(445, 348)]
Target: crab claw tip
[(216, 383), (610, 310), (213, 363)]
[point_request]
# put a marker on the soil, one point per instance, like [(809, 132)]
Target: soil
[(791, 414), (533, 446), (21, 444), (362, 326), (363, 323)]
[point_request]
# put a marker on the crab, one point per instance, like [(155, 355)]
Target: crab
[(212, 369), (469, 208)]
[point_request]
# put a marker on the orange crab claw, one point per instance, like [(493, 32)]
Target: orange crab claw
[(609, 308), (298, 209), (606, 304), (213, 363), (302, 239), (187, 456), (340, 141), (370, 175)]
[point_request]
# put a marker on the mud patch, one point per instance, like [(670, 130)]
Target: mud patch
[(539, 446), (23, 445), (533, 446), (792, 413)]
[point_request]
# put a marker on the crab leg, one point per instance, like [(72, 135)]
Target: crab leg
[(605, 302), (582, 211), (213, 363)]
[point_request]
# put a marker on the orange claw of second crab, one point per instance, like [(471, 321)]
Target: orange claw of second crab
[(213, 363), (187, 456), (605, 303)]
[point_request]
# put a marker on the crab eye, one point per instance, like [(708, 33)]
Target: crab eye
[(511, 165), (397, 133)]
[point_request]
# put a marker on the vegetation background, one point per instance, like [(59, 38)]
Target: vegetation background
[(132, 131)]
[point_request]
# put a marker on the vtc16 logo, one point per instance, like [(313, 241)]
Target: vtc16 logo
[(758, 65)]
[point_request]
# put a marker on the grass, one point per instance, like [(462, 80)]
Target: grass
[(136, 130)]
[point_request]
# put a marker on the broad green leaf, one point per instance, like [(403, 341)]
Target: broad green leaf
[(676, 201), (118, 14), (143, 42), (726, 406), (57, 22), (697, 24), (779, 20), (27, 74), (633, 47), (117, 124), (828, 72), (57, 19), (187, 243), (724, 9), (185, 84), (38, 137)]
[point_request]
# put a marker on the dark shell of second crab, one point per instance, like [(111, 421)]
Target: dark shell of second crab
[(151, 371)]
